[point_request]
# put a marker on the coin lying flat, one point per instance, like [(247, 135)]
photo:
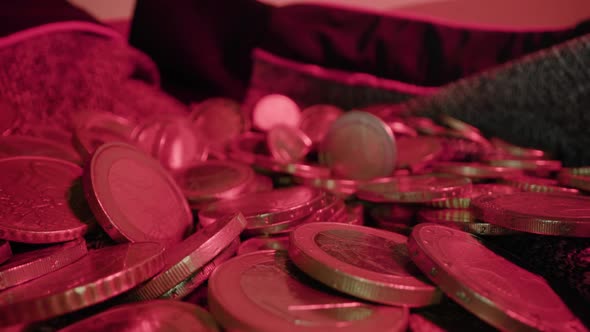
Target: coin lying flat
[(39, 202), (517, 151), (275, 109), (317, 119), (27, 266), (548, 214), (262, 291), (536, 184), (491, 287), (477, 190), (359, 146), (190, 255), (360, 261), (462, 219), (152, 316), (99, 275), (476, 170), (123, 185), (263, 243), (581, 182)]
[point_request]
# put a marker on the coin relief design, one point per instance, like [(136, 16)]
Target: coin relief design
[(365, 251)]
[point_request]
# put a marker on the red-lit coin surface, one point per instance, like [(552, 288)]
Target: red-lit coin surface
[(359, 146), (334, 185), (9, 118), (288, 144), (259, 183), (581, 182), (152, 316), (262, 291), (394, 218), (517, 151), (476, 171), (11, 146), (274, 109), (93, 129), (267, 207), (190, 255), (219, 120), (5, 254), (493, 288), (539, 185), (133, 197), (214, 179), (478, 189), (317, 119), (99, 275), (462, 219), (192, 283), (548, 214), (360, 261), (297, 169), (34, 264), (415, 189), (264, 243), (530, 165), (415, 153), (41, 200)]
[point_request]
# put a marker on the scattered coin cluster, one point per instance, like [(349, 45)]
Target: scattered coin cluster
[(285, 220)]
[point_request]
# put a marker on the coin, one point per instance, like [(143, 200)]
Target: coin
[(16, 145), (190, 255), (262, 291), (334, 185), (548, 214), (267, 207), (517, 151), (462, 219), (99, 275), (123, 185), (196, 279), (39, 200), (220, 120), (491, 287), (415, 189), (457, 124), (360, 261), (214, 179), (288, 144), (259, 183), (298, 169), (30, 265), (477, 189), (425, 126), (317, 119), (359, 146), (93, 129), (264, 243), (9, 118), (581, 182), (585, 170), (275, 109), (476, 170), (5, 254), (398, 128), (529, 165), (537, 184), (415, 153), (394, 218), (151, 316)]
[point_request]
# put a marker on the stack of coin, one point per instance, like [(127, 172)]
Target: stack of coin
[(339, 220)]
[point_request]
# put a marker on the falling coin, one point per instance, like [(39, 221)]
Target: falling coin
[(262, 291), (274, 109)]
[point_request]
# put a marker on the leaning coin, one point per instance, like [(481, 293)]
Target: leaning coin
[(16, 145), (40, 203), (317, 119), (360, 261), (359, 146), (262, 291), (93, 129), (190, 255), (288, 144), (517, 151), (151, 316), (547, 214), (134, 198), (275, 109), (491, 287), (5, 254), (98, 276), (31, 265), (220, 120)]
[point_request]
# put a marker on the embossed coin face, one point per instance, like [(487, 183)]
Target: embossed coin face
[(219, 120), (33, 264), (360, 261), (41, 200), (493, 288), (15, 145), (288, 144), (274, 109), (415, 189), (99, 275), (268, 207), (550, 214), (317, 119), (152, 316), (133, 197), (359, 146), (214, 179), (416, 152), (5, 254), (262, 291)]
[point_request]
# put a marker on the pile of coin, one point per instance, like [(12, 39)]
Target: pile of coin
[(288, 220)]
